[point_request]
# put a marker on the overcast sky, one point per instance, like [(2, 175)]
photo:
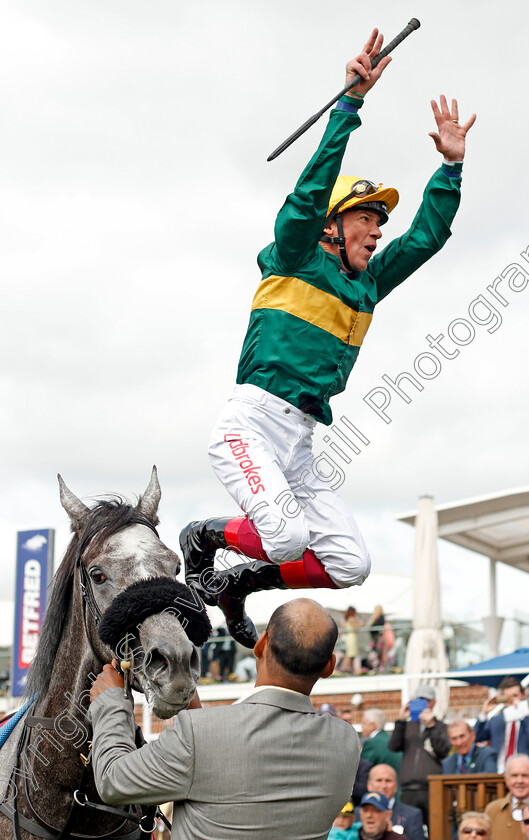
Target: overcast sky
[(135, 197)]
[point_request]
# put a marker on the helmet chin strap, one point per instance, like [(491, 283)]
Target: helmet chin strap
[(340, 241)]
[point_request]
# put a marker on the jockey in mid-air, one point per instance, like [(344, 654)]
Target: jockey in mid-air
[(321, 280)]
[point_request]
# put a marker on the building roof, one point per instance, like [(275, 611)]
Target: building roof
[(496, 526)]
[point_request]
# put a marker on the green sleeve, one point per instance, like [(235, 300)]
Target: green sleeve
[(428, 233), (368, 751), (300, 221)]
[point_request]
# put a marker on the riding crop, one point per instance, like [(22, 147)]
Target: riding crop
[(413, 24)]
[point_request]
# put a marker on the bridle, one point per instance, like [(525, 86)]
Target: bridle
[(146, 823), (89, 601)]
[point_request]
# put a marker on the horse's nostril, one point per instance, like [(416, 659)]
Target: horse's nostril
[(195, 661), (156, 666)]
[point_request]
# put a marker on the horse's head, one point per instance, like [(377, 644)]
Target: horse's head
[(119, 555)]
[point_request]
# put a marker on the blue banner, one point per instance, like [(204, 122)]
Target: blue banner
[(34, 572)]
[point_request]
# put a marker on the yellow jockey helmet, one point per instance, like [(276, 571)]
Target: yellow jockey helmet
[(350, 191)]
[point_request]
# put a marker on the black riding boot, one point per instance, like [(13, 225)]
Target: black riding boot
[(233, 585), (199, 541)]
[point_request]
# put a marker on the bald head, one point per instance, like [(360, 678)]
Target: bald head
[(301, 638), (383, 779)]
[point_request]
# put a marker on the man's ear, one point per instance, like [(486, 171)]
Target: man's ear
[(329, 668), (260, 644), (330, 228)]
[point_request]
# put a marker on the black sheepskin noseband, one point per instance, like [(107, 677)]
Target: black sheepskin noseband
[(151, 596)]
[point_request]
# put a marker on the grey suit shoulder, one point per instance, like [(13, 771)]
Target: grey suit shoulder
[(269, 763)]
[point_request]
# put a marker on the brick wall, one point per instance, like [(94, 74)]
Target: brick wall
[(465, 701)]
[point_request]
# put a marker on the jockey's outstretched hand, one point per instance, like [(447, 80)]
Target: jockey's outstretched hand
[(449, 138), (362, 64)]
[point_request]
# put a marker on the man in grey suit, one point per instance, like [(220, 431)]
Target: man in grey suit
[(266, 767)]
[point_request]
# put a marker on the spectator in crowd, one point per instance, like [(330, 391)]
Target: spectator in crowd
[(327, 708), (375, 815), (424, 743), (225, 653), (383, 779), (214, 654), (342, 827), (474, 824), (525, 821), (205, 654), (349, 625), (508, 729), (375, 746), (364, 766), (467, 757), (347, 714), (506, 813), (246, 668), (387, 645), (371, 661), (376, 623), (360, 783)]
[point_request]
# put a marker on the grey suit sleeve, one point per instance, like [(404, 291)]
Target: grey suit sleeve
[(158, 772)]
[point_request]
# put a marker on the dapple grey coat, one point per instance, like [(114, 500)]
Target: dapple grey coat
[(266, 767)]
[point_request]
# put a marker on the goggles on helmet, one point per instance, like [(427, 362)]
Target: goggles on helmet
[(358, 189)]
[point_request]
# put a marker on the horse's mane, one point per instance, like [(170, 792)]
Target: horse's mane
[(104, 520)]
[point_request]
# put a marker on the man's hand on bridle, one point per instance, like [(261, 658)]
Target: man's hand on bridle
[(108, 678)]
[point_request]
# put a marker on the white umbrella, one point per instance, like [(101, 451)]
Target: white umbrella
[(426, 652)]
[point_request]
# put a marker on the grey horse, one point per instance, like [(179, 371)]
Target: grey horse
[(114, 547)]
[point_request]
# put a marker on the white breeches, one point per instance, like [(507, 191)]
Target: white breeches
[(261, 450)]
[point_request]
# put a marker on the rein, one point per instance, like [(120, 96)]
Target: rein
[(146, 824)]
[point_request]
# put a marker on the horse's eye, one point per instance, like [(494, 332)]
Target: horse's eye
[(97, 576)]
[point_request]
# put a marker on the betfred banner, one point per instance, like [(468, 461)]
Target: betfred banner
[(34, 572)]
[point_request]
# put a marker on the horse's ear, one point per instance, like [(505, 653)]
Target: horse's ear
[(148, 504), (73, 506)]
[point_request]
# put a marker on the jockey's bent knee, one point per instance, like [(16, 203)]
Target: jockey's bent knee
[(288, 542), (347, 571)]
